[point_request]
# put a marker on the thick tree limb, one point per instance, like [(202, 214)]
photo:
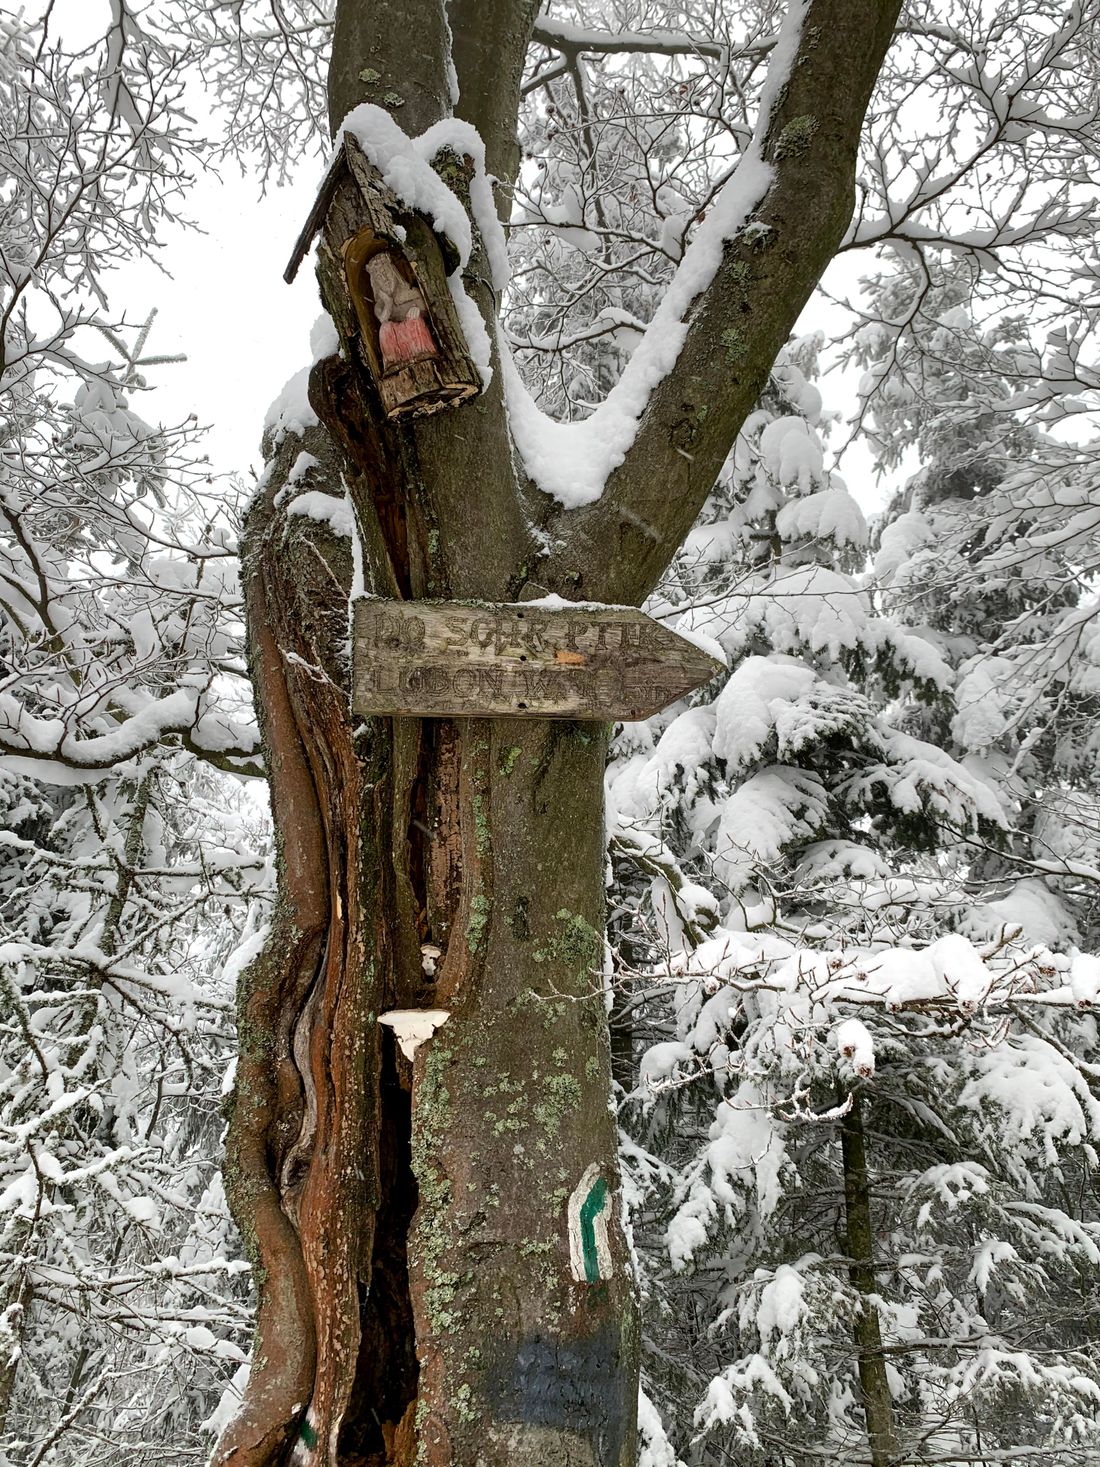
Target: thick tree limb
[(572, 40), (617, 548), (392, 54), (490, 47)]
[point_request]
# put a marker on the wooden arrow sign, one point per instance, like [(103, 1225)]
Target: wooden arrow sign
[(454, 659)]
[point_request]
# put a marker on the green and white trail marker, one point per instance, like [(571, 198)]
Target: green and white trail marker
[(589, 1210)]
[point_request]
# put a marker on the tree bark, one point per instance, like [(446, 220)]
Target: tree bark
[(440, 1262), (411, 1222), (878, 1405)]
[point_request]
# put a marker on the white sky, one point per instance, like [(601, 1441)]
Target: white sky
[(223, 302), (243, 330)]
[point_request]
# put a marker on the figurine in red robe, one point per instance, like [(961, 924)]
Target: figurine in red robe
[(403, 332)]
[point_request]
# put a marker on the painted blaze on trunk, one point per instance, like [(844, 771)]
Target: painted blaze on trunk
[(441, 1268)]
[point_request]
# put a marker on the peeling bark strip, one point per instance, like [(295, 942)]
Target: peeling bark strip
[(449, 660), (434, 1284)]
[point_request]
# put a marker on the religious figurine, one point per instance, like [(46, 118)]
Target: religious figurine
[(403, 332), (384, 273)]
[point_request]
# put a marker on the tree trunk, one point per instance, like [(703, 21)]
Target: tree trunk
[(878, 1405), (16, 1302), (438, 1250), (413, 1219)]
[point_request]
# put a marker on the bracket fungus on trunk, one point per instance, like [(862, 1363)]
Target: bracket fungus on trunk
[(383, 272)]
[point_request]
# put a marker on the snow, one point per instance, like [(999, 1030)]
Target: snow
[(406, 171), (727, 1395), (461, 138), (808, 606), (229, 1403), (853, 1040), (745, 1149), (143, 1210), (899, 541), (57, 752), (572, 461), (782, 1305), (326, 509), (950, 971), (242, 955), (412, 1027), (830, 514), (767, 813), (1085, 978), (917, 655), (791, 452), (919, 775), (552, 602), (301, 467), (454, 92), (987, 1259), (654, 1447), (478, 340), (199, 1337), (982, 709), (1040, 1096), (660, 1064), (822, 609), (324, 339), (291, 411), (634, 790), (710, 645), (747, 707), (656, 40)]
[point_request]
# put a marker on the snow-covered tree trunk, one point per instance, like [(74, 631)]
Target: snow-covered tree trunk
[(438, 1246), (878, 1408)]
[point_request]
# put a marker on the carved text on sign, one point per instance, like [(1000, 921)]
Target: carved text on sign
[(452, 659)]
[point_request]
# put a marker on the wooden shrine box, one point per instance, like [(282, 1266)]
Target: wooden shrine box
[(383, 276)]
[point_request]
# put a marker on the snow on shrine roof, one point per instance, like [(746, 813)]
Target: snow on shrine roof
[(372, 147)]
